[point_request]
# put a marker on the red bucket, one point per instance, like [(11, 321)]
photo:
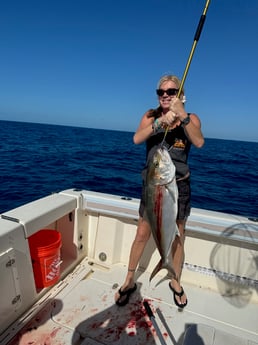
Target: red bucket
[(45, 254)]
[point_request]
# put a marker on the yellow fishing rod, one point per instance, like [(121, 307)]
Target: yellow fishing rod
[(196, 38)]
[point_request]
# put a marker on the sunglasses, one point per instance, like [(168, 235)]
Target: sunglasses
[(169, 92)]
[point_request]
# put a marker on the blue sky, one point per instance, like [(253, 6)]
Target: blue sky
[(96, 63)]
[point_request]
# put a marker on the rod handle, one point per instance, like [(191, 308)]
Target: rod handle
[(148, 309), (199, 28)]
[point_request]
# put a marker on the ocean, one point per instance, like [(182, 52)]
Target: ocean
[(40, 159)]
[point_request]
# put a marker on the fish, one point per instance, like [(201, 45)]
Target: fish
[(161, 206)]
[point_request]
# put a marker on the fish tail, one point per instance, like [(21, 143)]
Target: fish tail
[(156, 270), (172, 271), (160, 266)]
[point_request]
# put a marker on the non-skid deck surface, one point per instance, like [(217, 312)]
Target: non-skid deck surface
[(86, 314)]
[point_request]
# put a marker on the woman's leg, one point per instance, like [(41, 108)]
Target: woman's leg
[(137, 248), (178, 260)]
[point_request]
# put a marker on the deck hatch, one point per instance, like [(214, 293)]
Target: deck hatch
[(10, 294)]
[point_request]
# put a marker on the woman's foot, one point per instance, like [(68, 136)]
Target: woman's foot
[(122, 296), (180, 298)]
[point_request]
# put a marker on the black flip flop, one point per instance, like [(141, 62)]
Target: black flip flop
[(127, 293), (179, 294)]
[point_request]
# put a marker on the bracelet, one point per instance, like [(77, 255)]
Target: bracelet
[(186, 120), (156, 125)]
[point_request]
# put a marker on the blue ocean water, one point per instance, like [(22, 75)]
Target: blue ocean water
[(39, 159)]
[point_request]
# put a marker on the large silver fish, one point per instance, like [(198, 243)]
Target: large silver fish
[(161, 206)]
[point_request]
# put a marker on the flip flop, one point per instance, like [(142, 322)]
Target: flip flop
[(125, 296), (179, 294)]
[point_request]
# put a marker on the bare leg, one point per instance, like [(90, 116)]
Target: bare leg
[(178, 259), (141, 238)]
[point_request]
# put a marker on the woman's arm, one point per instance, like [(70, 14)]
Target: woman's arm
[(193, 127), (144, 130)]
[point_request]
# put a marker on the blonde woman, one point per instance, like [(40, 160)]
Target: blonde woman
[(184, 130)]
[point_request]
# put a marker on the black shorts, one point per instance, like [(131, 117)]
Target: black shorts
[(184, 200)]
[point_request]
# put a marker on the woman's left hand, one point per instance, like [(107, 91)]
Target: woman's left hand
[(177, 107)]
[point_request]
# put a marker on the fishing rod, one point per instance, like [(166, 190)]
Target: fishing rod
[(154, 323), (196, 38)]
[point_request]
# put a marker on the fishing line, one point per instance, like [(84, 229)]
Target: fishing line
[(196, 38)]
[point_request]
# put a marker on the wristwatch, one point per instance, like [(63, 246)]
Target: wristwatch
[(186, 120)]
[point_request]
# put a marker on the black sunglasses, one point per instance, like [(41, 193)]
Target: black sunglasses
[(169, 92)]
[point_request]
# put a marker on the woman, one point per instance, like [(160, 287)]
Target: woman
[(184, 129)]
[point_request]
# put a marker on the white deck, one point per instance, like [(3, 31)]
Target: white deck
[(84, 312), (220, 278)]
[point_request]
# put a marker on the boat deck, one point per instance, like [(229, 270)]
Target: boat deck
[(220, 278), (80, 310)]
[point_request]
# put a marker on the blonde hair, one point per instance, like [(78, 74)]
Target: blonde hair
[(170, 77)]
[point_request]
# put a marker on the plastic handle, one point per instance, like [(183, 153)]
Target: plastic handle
[(199, 28), (148, 309)]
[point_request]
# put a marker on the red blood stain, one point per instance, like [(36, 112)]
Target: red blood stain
[(94, 310), (54, 332), (110, 331), (104, 298), (131, 324), (158, 210), (96, 325), (131, 334)]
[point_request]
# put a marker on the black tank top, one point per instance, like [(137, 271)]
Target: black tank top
[(178, 145)]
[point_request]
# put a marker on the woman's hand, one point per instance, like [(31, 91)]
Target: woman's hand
[(169, 118), (177, 107)]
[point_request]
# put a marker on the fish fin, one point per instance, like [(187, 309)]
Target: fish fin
[(160, 266), (171, 270), (156, 270)]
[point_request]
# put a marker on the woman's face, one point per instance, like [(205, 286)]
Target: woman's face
[(164, 100)]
